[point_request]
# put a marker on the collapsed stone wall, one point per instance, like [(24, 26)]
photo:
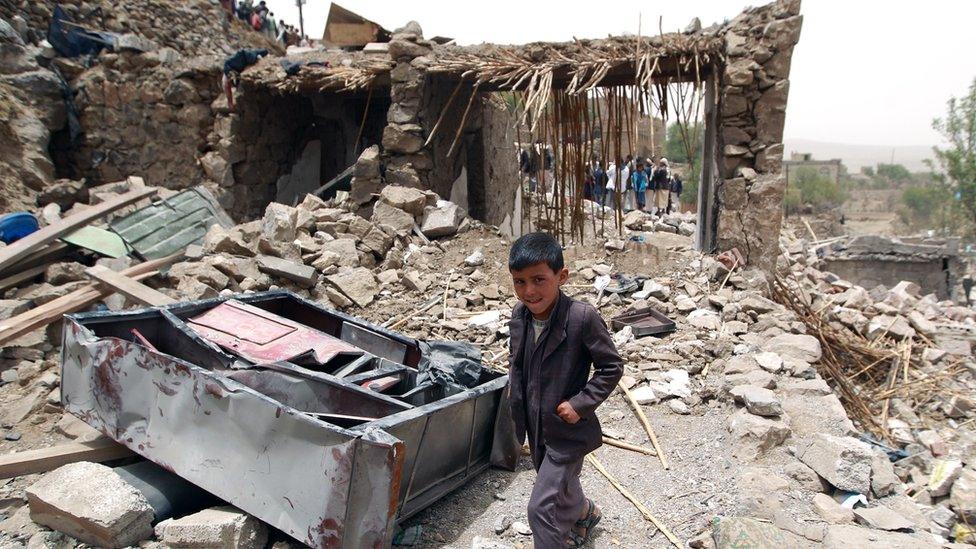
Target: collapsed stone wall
[(754, 85), (190, 27)]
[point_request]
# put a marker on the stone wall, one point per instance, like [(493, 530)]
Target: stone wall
[(754, 85), (141, 115), (929, 273), (501, 175), (263, 150)]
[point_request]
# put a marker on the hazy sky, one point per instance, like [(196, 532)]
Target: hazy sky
[(865, 72)]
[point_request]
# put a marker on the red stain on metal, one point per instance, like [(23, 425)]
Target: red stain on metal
[(394, 463), (107, 389), (165, 389), (327, 534), (214, 390)]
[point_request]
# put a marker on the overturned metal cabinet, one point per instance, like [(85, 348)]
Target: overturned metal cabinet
[(333, 451)]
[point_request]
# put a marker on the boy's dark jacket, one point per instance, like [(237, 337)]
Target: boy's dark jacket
[(577, 337)]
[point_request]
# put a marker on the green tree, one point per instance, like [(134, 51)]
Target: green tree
[(894, 173), (928, 207), (808, 188), (682, 144), (957, 161)]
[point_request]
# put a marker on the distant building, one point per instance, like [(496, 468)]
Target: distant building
[(832, 169)]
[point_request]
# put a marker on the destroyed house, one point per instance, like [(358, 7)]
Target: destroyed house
[(322, 425), (450, 119)]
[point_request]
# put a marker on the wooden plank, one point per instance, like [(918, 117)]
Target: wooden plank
[(47, 459), (17, 279), (42, 256), (129, 288), (25, 246), (51, 311)]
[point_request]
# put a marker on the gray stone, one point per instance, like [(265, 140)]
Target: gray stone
[(882, 518), (441, 220), (895, 327), (214, 528), (740, 532), (402, 138), (302, 274), (229, 241), (884, 481), (92, 503), (357, 284), (962, 497), (645, 395), (757, 303), (944, 474), (757, 400), (502, 523), (384, 214), (279, 223), (844, 462), (831, 511), (12, 307), (848, 536), (407, 199), (345, 248), (755, 435), (801, 347)]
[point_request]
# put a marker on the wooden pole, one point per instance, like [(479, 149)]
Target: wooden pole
[(646, 424), (633, 499), (628, 446)]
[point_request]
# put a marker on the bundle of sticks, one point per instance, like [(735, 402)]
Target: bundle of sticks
[(867, 374)]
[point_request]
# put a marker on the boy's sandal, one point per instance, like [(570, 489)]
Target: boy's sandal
[(575, 540), (591, 519)]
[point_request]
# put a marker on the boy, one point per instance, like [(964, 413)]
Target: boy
[(554, 339)]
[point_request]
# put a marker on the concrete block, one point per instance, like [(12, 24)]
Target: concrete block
[(92, 503), (214, 528)]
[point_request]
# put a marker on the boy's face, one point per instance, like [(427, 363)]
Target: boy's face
[(538, 287)]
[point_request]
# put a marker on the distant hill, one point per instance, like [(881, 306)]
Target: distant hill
[(856, 156)]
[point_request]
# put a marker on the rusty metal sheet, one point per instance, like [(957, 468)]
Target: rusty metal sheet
[(260, 437), (260, 336)]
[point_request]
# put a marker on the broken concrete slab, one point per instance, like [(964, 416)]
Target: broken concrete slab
[(92, 503), (735, 532), (882, 518), (215, 528), (962, 496), (302, 274), (846, 536), (844, 462), (831, 511)]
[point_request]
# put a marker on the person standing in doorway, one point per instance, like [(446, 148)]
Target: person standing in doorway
[(662, 185)]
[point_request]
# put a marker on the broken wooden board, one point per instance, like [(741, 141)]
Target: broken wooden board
[(47, 459), (10, 255), (77, 300), (128, 287)]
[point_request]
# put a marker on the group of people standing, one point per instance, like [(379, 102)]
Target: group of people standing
[(634, 182), (262, 20)]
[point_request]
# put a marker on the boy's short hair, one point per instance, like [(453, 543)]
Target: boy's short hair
[(535, 248)]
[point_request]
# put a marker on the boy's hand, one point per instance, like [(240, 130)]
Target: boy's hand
[(567, 413)]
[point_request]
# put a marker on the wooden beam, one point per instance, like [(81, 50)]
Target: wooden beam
[(10, 255), (77, 300), (45, 255), (128, 287), (47, 459), (17, 279)]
